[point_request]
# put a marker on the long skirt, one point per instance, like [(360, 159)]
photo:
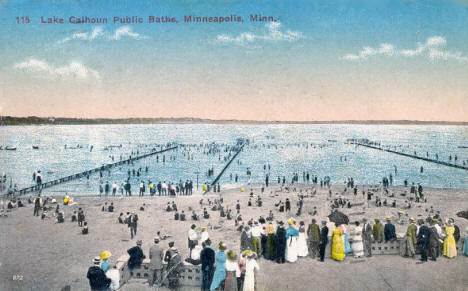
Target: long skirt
[(337, 248), (218, 277), (450, 247), (270, 247), (357, 246), (230, 283), (249, 282), (408, 247), (291, 249), (302, 249), (347, 246)]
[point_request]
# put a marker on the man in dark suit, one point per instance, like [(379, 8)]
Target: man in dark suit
[(156, 264), (423, 239), (323, 240), (136, 255), (280, 243), (207, 258)]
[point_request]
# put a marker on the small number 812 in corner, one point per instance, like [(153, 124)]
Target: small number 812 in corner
[(23, 20), (17, 277)]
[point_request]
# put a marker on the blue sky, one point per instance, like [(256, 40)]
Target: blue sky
[(322, 60)]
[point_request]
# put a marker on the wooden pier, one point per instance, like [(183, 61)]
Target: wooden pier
[(84, 174), (227, 166), (411, 156)]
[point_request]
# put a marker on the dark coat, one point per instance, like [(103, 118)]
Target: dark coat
[(136, 257), (389, 232), (280, 241), (207, 258), (97, 278), (434, 237), (423, 237), (324, 235)]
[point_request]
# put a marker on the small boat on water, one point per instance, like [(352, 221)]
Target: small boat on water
[(463, 147), (35, 147), (10, 148)]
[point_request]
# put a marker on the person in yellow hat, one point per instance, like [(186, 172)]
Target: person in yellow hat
[(105, 255), (232, 272)]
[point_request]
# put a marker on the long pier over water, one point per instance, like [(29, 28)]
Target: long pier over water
[(88, 172), (227, 165), (410, 155)]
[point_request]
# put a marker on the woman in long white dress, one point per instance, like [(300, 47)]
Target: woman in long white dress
[(356, 245), (302, 249), (292, 235), (251, 267)]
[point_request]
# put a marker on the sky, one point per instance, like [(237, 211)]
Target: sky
[(318, 60)]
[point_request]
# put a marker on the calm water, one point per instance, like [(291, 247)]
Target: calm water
[(318, 149)]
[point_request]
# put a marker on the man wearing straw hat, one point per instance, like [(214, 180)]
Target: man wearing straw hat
[(97, 278)]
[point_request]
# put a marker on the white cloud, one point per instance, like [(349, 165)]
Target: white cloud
[(126, 31), (272, 33), (99, 33), (74, 69), (432, 49)]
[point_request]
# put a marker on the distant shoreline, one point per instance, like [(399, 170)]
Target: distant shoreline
[(34, 120)]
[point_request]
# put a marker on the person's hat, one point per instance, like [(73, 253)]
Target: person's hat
[(387, 218), (156, 240), (231, 255), (54, 201), (435, 220), (314, 220), (139, 242), (222, 246), (411, 219), (280, 222), (247, 253), (96, 260), (401, 212), (171, 244), (291, 221), (377, 220), (203, 228), (105, 255)]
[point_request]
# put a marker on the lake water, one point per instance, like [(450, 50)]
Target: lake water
[(318, 149)]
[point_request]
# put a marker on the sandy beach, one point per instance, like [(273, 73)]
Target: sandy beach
[(44, 255)]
